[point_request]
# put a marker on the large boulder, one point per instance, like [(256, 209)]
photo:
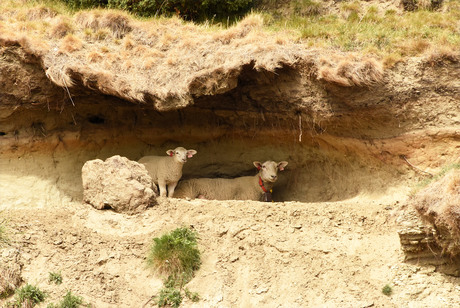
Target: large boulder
[(117, 183)]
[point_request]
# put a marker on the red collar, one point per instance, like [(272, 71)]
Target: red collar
[(261, 184)]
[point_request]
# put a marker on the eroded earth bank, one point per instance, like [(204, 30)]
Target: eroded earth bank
[(357, 137)]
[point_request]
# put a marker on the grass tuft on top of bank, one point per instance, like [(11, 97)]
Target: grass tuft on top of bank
[(367, 27)]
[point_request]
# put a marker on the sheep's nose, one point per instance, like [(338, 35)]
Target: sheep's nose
[(273, 177)]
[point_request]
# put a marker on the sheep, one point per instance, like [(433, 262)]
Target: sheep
[(257, 188), (167, 170)]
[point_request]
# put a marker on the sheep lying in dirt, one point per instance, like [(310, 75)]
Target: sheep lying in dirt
[(167, 170), (256, 187)]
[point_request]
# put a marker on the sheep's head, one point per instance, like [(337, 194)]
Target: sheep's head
[(180, 154), (268, 171)]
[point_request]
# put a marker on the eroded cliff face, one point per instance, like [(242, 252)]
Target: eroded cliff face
[(340, 141)]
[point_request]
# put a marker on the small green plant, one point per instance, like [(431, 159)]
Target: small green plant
[(169, 296), (387, 290), (193, 296), (69, 301), (29, 294), (55, 277), (176, 256), (176, 253)]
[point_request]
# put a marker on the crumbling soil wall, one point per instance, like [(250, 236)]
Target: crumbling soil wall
[(340, 141)]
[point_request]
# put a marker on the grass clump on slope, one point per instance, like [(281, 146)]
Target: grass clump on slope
[(29, 296), (176, 256)]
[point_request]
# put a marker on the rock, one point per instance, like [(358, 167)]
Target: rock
[(117, 183)]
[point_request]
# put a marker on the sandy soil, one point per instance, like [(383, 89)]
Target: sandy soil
[(290, 254)]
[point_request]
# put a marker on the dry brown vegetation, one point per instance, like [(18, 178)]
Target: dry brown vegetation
[(70, 43), (10, 279), (141, 54), (61, 27), (119, 23), (438, 56), (439, 204), (348, 71)]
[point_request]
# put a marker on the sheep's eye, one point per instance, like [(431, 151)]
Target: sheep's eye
[(177, 152), (263, 167)]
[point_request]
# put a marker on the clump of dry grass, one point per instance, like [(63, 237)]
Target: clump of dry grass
[(441, 55), (41, 12), (148, 63), (33, 45), (10, 279), (390, 60), (439, 204), (61, 27), (70, 43), (348, 71), (128, 42), (117, 22), (94, 57), (240, 30), (414, 47)]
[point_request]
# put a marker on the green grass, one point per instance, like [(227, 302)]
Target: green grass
[(55, 277), (434, 178), (387, 290), (29, 293), (176, 256), (357, 29), (169, 297), (175, 253), (69, 301)]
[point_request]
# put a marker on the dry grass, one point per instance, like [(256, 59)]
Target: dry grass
[(41, 12), (185, 58), (439, 204), (350, 71), (61, 27), (10, 279), (95, 56), (390, 60), (442, 55), (128, 42), (149, 63), (70, 44), (117, 22)]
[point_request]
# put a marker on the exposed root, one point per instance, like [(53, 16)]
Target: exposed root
[(414, 167)]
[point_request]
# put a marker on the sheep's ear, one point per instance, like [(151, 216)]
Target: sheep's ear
[(282, 165), (170, 152), (190, 153), (257, 164)]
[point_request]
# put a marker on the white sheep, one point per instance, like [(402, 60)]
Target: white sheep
[(167, 170), (258, 187)]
